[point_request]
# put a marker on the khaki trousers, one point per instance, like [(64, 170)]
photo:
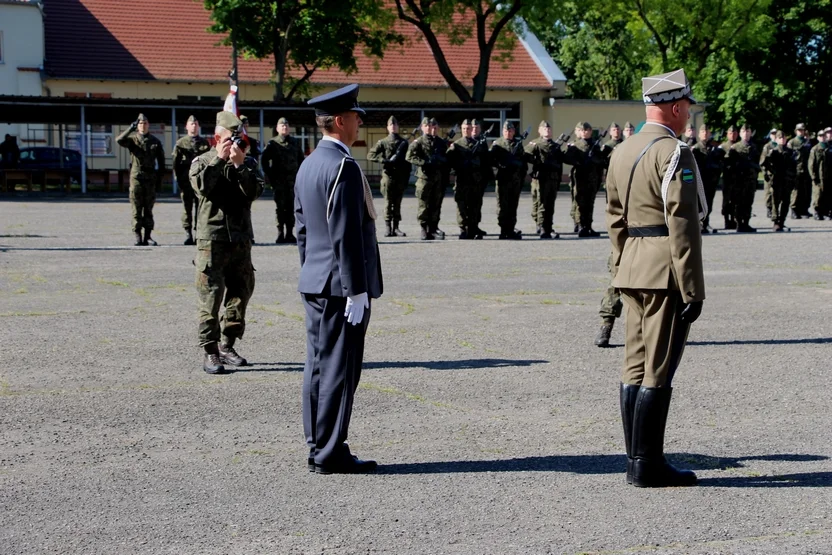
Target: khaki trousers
[(655, 336)]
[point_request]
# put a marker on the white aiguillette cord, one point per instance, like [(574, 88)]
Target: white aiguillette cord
[(668, 177), (368, 193)]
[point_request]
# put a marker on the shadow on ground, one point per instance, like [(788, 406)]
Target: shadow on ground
[(465, 364), (811, 340)]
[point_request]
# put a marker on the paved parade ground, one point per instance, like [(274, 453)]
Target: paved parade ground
[(493, 416)]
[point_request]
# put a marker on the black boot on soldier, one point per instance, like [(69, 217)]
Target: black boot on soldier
[(229, 356), (396, 231), (211, 363), (281, 237), (148, 240), (139, 241), (389, 230), (603, 337), (627, 395), (289, 237), (650, 469), (190, 239)]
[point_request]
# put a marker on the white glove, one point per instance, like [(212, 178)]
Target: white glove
[(355, 308)]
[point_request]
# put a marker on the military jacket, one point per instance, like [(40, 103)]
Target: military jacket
[(820, 165), (586, 160), (469, 159), (744, 158), (187, 148), (146, 153), (509, 158), (779, 164), (429, 154), (664, 263), (728, 160), (709, 160), (225, 194), (385, 149), (281, 159), (546, 158), (802, 147)]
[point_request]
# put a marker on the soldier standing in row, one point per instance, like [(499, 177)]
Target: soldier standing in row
[(615, 138), (585, 177), (428, 154), (690, 135), (485, 175), (744, 158), (779, 165), (468, 157), (226, 182), (147, 165), (281, 160), (508, 156), (802, 193), (187, 148), (390, 152), (820, 170), (253, 144), (709, 161), (729, 178), (629, 130), (546, 158), (771, 144)]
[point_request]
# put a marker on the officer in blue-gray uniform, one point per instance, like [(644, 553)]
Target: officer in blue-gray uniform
[(340, 273)]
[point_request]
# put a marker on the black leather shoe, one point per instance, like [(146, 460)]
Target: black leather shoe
[(818, 217), (148, 240), (189, 240), (212, 364), (398, 232), (291, 238), (229, 356), (584, 232), (353, 465), (310, 464), (139, 241), (603, 337)]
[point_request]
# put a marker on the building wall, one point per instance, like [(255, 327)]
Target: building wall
[(21, 27)]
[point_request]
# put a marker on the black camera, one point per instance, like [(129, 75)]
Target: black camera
[(237, 139)]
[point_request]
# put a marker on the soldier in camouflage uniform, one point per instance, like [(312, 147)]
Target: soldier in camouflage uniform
[(546, 158), (280, 161), (820, 170), (690, 135), (253, 144), (226, 182), (508, 156), (629, 130), (771, 144), (585, 178), (390, 152), (428, 154), (147, 165), (780, 166), (744, 158), (486, 174), (802, 193), (187, 148), (729, 178), (709, 161), (468, 157)]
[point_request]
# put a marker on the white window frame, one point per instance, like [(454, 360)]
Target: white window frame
[(1, 48)]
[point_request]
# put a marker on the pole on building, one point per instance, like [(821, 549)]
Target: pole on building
[(172, 144), (262, 140), (83, 151)]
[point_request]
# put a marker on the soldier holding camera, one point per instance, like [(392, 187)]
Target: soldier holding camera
[(226, 182), (147, 165)]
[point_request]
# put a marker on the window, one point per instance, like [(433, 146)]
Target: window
[(100, 141)]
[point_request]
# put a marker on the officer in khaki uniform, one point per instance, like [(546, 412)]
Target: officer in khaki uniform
[(187, 148), (654, 196), (147, 165), (390, 152), (280, 162), (226, 182)]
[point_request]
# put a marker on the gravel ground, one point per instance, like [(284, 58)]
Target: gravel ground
[(493, 417)]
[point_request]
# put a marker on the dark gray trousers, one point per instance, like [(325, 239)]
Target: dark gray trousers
[(334, 352)]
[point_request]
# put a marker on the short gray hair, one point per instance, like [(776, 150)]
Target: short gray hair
[(325, 123), (219, 129)]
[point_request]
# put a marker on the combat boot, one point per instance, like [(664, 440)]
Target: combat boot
[(743, 227), (211, 362), (479, 232), (463, 233), (628, 393), (730, 223), (396, 231), (281, 237), (584, 232), (138, 242), (291, 238), (190, 239), (438, 233), (426, 234), (795, 215), (389, 231), (603, 337), (650, 468), (148, 240), (229, 356), (818, 216)]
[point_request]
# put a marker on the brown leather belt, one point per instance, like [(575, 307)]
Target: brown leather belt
[(649, 231)]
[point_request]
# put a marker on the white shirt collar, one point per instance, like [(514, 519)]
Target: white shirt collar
[(334, 140), (672, 134)]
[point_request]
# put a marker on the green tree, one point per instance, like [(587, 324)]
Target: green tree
[(303, 36)]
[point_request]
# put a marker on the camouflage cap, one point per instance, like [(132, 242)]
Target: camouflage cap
[(544, 123), (228, 121), (475, 121), (192, 119), (508, 125), (614, 124), (426, 121), (828, 130), (732, 129), (800, 127), (283, 121), (703, 127), (628, 125), (244, 119), (142, 117), (392, 120), (666, 87), (779, 134), (773, 131), (583, 125), (466, 121), (433, 121), (746, 127), (689, 127)]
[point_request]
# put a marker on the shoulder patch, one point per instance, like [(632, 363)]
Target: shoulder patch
[(687, 175)]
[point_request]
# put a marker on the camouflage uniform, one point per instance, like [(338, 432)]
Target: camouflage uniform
[(280, 161), (468, 157), (820, 170), (802, 193), (224, 273), (744, 158), (510, 160), (428, 154), (779, 165), (390, 152), (729, 179), (546, 158), (147, 165), (585, 181), (187, 148), (709, 161)]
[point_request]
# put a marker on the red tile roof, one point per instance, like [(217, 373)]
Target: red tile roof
[(166, 40)]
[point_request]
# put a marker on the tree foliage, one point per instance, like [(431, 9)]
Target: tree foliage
[(303, 36)]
